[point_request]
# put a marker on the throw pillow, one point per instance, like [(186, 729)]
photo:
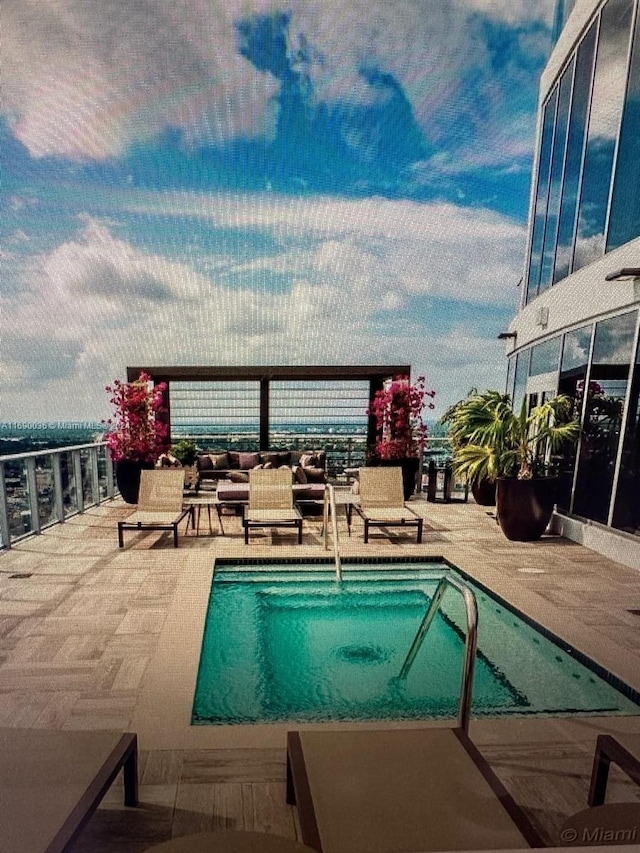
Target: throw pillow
[(308, 460), (272, 458), (299, 474), (220, 461), (204, 463), (238, 477), (248, 460)]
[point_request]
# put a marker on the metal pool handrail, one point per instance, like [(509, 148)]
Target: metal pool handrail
[(330, 509), (471, 642)]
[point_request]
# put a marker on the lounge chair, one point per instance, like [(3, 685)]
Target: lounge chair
[(271, 502), (382, 501), (160, 503), (382, 791), (51, 782)]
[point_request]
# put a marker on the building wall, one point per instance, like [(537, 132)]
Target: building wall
[(576, 332)]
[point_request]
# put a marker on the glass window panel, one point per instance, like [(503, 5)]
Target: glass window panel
[(606, 108), (69, 485), (614, 339), (545, 357), (575, 148), (520, 382), (573, 372), (626, 514), (555, 183), (599, 446), (542, 194), (511, 374), (18, 506), (624, 224), (575, 351), (602, 425), (46, 491)]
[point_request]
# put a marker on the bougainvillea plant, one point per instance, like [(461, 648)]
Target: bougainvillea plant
[(397, 408), (137, 431)]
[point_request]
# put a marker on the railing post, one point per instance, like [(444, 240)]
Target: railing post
[(110, 473), (4, 514), (32, 491), (57, 487)]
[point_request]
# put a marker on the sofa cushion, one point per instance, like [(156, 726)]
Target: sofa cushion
[(219, 461), (203, 462), (299, 474), (248, 461), (314, 474), (234, 458), (272, 456), (237, 477)]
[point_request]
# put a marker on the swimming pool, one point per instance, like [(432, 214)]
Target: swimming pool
[(290, 643)]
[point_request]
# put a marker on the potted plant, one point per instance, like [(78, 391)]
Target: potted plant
[(137, 433), (186, 452), (512, 449), (462, 419), (400, 428)]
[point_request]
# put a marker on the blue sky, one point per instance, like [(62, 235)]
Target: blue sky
[(261, 182)]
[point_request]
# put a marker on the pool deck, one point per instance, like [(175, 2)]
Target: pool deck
[(94, 637)]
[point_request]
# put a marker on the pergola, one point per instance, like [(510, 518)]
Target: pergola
[(374, 374)]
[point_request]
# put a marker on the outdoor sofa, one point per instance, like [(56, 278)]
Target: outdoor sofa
[(307, 466)]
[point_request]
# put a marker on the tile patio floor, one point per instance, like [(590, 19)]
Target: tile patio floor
[(87, 641)]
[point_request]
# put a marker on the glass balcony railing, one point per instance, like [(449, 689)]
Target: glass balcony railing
[(42, 488)]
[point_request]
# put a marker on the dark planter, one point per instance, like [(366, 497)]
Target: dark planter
[(524, 507), (128, 478), (484, 492), (409, 467)]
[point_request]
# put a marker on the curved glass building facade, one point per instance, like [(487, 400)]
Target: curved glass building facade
[(577, 328)]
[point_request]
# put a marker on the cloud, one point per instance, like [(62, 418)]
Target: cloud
[(85, 79), (357, 270)]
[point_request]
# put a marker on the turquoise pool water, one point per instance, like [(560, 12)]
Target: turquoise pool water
[(283, 643)]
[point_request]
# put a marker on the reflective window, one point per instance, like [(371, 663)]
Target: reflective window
[(575, 351), (555, 181), (604, 405), (614, 340), (511, 372), (542, 194), (573, 371), (624, 223), (606, 109), (545, 357), (520, 380), (626, 514), (575, 148)]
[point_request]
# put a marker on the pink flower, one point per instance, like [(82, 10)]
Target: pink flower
[(138, 431), (398, 409)]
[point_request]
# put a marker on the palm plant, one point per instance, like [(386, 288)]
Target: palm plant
[(490, 440)]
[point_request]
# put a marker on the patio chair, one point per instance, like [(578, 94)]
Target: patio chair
[(381, 791), (160, 503), (271, 501), (382, 501)]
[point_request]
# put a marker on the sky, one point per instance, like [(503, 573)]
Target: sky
[(225, 182)]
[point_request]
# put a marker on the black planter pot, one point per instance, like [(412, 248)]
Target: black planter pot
[(128, 478), (484, 492), (409, 467), (524, 507)]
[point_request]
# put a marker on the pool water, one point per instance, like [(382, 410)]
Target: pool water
[(290, 644)]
